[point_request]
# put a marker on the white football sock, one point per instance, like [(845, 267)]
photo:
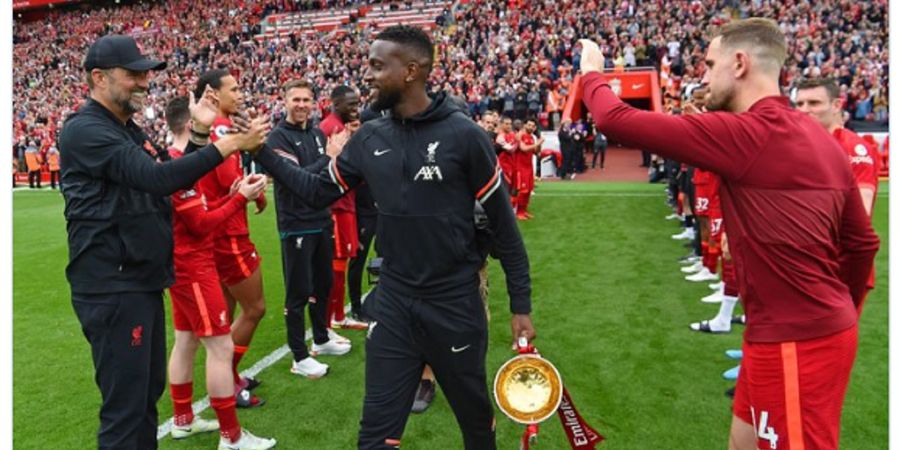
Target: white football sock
[(726, 309)]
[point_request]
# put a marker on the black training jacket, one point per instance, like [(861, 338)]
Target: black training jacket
[(303, 146), (424, 173), (118, 214)]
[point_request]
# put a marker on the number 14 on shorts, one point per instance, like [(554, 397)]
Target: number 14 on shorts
[(763, 430)]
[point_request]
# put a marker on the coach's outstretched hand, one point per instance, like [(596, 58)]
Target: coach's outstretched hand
[(522, 327), (591, 57), (253, 138)]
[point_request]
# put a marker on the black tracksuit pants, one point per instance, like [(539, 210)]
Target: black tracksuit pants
[(306, 265), (34, 179), (448, 334), (365, 226), (127, 333), (672, 170), (691, 196)]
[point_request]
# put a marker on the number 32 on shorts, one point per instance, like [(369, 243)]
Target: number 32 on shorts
[(763, 430)]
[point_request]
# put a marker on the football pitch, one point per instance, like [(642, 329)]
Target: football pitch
[(611, 310)]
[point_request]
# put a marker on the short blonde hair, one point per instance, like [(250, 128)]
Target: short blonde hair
[(299, 83), (761, 37)]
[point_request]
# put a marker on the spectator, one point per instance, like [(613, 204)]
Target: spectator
[(33, 162), (599, 149), (567, 147), (53, 166)]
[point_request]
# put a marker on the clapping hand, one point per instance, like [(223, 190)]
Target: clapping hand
[(336, 143), (252, 186), (203, 110)]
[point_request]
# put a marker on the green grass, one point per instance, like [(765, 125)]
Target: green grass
[(610, 309)]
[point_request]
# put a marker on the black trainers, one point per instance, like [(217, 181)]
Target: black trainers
[(359, 317), (730, 392), (251, 383), (244, 399), (424, 396)]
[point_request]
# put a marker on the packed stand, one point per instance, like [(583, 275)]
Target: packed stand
[(518, 57)]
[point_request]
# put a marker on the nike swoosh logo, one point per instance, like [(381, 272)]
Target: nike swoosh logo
[(637, 86), (298, 143), (381, 152), (457, 350)]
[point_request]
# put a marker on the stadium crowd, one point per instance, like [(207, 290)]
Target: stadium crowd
[(518, 57)]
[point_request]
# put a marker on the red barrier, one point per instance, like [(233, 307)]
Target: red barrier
[(19, 5), (637, 85)]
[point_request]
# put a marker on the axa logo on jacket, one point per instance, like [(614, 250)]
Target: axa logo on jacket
[(430, 171)]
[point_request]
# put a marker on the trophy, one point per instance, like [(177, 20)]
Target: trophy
[(529, 389)]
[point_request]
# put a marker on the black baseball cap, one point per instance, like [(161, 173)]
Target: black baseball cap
[(116, 50)]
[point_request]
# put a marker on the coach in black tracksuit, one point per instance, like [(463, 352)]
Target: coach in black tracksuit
[(425, 165), (119, 223), (306, 232)]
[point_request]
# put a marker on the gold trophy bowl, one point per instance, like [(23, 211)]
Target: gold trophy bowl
[(528, 389)]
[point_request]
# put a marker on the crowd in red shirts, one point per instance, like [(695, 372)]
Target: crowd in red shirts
[(516, 57)]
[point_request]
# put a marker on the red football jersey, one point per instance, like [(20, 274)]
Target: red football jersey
[(865, 165), (801, 238), (193, 224), (864, 158), (330, 126), (525, 164), (216, 185), (507, 159), (701, 177)]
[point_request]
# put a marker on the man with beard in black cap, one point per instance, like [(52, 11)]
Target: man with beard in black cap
[(116, 185)]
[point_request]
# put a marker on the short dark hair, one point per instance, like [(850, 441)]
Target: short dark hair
[(178, 114), (412, 37), (211, 78), (340, 91), (831, 86), (294, 84)]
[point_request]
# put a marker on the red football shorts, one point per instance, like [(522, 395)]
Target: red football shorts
[(701, 200), (715, 225), (346, 237), (199, 306), (236, 259), (793, 392)]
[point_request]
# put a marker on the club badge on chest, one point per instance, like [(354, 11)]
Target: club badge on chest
[(430, 171)]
